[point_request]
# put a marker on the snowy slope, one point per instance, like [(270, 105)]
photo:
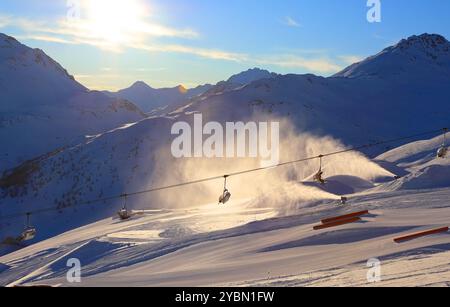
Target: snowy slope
[(134, 157), (409, 97), (42, 106), (150, 99), (424, 55), (261, 240), (424, 169), (250, 76), (138, 156), (161, 101), (233, 245)]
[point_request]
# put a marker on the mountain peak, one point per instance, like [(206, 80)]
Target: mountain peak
[(140, 85), (251, 75), (17, 57), (425, 40), (416, 55), (8, 41), (180, 88)]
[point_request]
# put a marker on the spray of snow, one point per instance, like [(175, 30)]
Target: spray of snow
[(280, 188)]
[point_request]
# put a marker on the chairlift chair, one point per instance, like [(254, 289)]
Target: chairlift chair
[(443, 150), (124, 214), (29, 233), (226, 195), (318, 177)]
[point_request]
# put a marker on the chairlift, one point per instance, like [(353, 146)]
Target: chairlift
[(124, 214), (443, 150), (29, 233), (318, 177), (226, 195)]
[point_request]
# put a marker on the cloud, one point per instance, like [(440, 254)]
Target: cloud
[(319, 65), (91, 32), (145, 37), (201, 52), (291, 22)]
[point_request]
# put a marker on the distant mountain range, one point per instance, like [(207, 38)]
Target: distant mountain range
[(160, 101)]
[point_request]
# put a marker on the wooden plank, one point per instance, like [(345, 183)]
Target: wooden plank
[(421, 234), (338, 223), (343, 217)]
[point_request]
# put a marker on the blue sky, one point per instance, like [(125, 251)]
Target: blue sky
[(112, 43)]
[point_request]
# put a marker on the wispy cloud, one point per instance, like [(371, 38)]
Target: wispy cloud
[(317, 65), (291, 22), (215, 54), (84, 31), (350, 59), (146, 39)]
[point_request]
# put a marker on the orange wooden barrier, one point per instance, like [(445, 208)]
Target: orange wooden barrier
[(338, 223), (343, 217), (421, 234)]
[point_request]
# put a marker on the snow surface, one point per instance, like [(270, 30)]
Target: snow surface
[(264, 236), (249, 244), (43, 108)]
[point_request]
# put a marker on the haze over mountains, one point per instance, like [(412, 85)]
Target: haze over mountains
[(400, 91)]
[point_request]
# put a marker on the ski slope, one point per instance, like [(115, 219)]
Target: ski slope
[(248, 244), (236, 246)]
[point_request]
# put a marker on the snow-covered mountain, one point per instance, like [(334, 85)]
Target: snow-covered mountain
[(250, 76), (403, 89), (423, 56), (43, 108), (163, 100), (355, 110), (151, 99)]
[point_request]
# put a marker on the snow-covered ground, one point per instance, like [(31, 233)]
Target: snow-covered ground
[(264, 235), (247, 244)]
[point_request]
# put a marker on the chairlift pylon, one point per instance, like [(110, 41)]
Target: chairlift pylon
[(30, 232), (226, 195), (124, 214), (443, 150), (318, 177)]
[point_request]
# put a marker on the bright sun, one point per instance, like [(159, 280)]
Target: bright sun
[(115, 21)]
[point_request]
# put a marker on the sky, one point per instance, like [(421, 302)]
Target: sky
[(110, 44)]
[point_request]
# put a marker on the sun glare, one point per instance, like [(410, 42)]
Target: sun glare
[(115, 21)]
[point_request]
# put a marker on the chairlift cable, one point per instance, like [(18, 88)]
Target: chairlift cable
[(234, 174)]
